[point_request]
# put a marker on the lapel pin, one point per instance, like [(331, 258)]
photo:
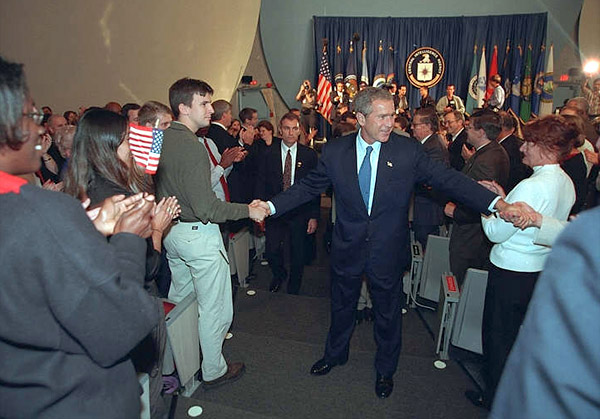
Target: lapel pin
[(389, 163), (299, 164)]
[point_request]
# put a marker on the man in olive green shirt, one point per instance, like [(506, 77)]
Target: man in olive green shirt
[(194, 246)]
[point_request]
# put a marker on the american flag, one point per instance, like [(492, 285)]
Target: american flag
[(145, 144), (324, 88)]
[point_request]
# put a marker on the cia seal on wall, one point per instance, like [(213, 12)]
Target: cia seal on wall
[(473, 87), (425, 67)]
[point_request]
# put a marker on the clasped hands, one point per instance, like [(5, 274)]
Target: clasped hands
[(519, 214), (137, 214), (259, 210)]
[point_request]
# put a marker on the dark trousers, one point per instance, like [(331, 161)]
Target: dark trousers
[(277, 234), (506, 300), (385, 294)]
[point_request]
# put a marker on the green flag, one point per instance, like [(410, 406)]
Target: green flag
[(472, 88), (526, 89)]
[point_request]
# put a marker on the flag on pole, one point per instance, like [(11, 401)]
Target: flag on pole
[(390, 74), (515, 92), (481, 80), (506, 73), (364, 76), (492, 71), (548, 91), (145, 145), (380, 71), (324, 87), (338, 66), (538, 84), (525, 113), (472, 88), (350, 80)]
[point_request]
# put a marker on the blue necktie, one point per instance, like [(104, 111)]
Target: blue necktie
[(364, 176)]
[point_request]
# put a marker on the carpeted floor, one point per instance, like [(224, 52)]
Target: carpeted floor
[(280, 336)]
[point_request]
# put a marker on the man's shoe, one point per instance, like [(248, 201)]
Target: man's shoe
[(275, 285), (477, 399), (235, 370), (383, 386), (323, 366)]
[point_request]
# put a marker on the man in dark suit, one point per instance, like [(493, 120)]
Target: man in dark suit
[(512, 144), (219, 123), (373, 180), (429, 205), (469, 247), (457, 137), (284, 164)]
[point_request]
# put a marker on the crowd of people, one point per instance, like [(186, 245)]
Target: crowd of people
[(111, 240)]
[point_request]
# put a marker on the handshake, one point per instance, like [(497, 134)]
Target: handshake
[(519, 214), (259, 210)]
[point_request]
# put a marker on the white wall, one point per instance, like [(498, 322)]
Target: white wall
[(89, 52)]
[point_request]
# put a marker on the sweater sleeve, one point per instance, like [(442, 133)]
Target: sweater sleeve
[(97, 294), (498, 230)]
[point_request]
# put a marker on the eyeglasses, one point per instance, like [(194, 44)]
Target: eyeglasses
[(36, 115)]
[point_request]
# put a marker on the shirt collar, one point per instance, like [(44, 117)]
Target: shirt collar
[(285, 148), (361, 144), (426, 138)]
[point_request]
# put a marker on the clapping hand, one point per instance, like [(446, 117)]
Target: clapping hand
[(106, 216)]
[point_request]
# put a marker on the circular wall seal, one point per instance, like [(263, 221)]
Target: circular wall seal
[(425, 67)]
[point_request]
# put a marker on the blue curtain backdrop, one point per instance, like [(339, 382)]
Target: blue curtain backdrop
[(453, 37)]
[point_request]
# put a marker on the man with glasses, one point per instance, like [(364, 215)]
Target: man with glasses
[(469, 247), (429, 206), (457, 136)]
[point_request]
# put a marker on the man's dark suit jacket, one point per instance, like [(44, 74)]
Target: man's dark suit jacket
[(455, 148), (429, 204), (378, 241), (221, 138), (518, 170), (469, 248)]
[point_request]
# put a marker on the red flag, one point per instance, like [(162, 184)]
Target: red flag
[(493, 70), (324, 88), (145, 145)]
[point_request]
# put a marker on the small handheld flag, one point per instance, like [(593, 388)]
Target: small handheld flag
[(145, 145)]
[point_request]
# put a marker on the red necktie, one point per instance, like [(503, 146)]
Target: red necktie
[(216, 163)]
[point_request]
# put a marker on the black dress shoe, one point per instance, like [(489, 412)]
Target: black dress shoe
[(275, 285), (383, 386), (323, 366), (477, 399)]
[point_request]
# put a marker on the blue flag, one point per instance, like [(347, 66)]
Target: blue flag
[(350, 80), (338, 67), (538, 83), (515, 95), (380, 71), (389, 65)]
